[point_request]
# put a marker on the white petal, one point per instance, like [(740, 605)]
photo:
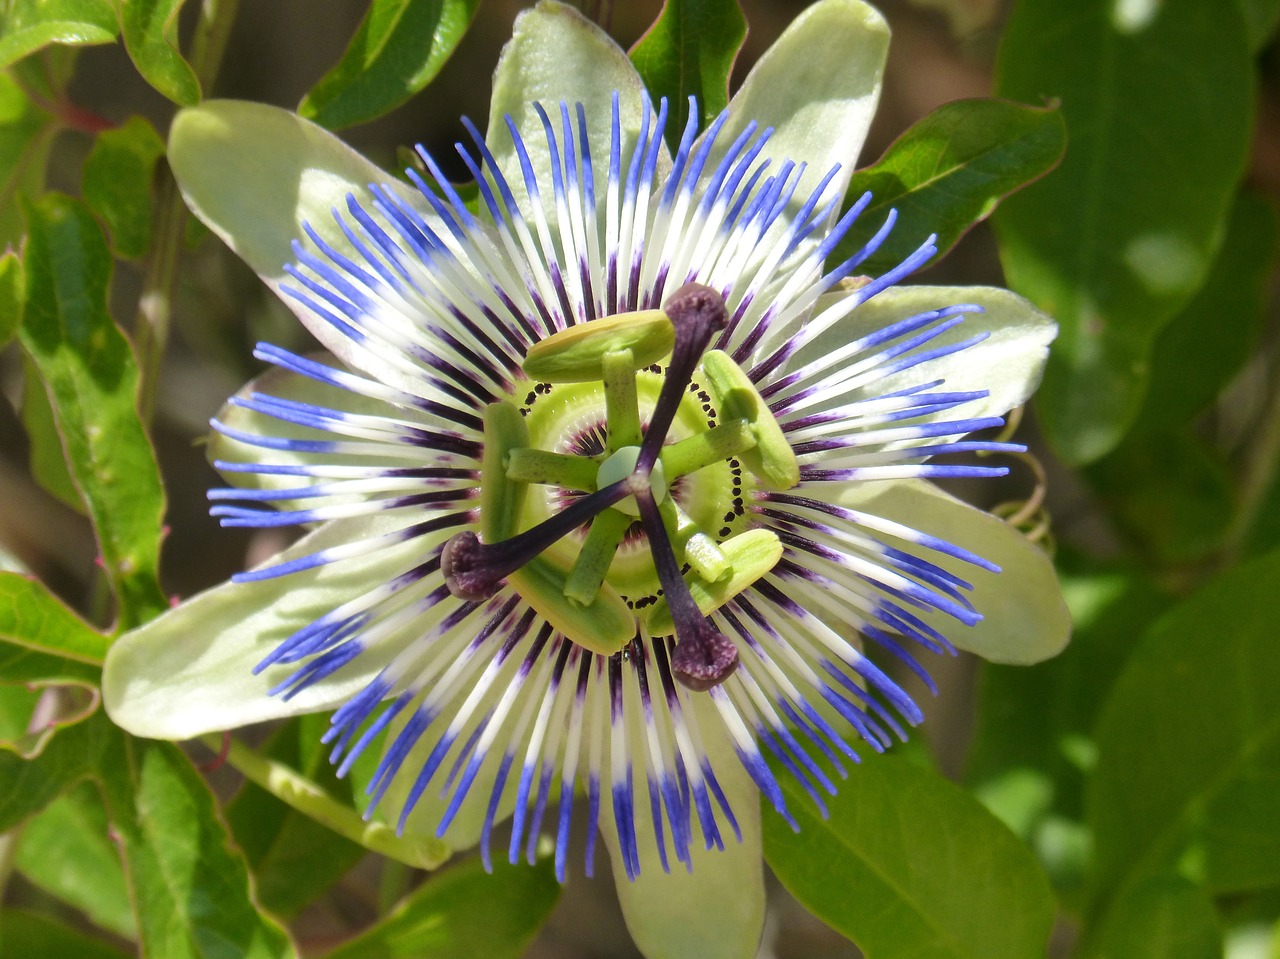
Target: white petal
[(717, 911), (255, 174), (817, 86), (1024, 617), (557, 55), (189, 671)]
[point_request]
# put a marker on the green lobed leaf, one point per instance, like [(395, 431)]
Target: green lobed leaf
[(1166, 917), (1215, 334), (21, 665), (33, 935), (189, 884), (150, 30), (11, 295), (33, 617), (687, 51), (1033, 745), (292, 857), (29, 785), (90, 374), (117, 183), (26, 133), (28, 25), (397, 50), (463, 912), (32, 714), (909, 865), (949, 171), (1157, 100), (66, 850), (1189, 745)]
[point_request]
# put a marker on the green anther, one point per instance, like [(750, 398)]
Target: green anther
[(501, 498), (576, 354), (752, 555), (527, 465), (699, 550), (592, 564), (730, 438), (771, 460), (622, 407), (604, 625)]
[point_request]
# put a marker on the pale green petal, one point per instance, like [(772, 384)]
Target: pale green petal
[(1024, 617), (255, 173), (189, 671), (557, 55), (818, 87), (717, 911), (1008, 363)]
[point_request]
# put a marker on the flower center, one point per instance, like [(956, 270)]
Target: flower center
[(625, 455)]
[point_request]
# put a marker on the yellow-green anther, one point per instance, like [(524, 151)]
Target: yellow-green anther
[(730, 438), (594, 557), (501, 498), (752, 554), (576, 354), (528, 465), (622, 406), (604, 625), (699, 550), (771, 460)]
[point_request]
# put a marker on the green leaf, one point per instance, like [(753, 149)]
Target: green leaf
[(26, 133), (66, 851), (1215, 334), (948, 172), (45, 458), (20, 665), (292, 857), (1189, 745), (1165, 917), (90, 374), (29, 785), (689, 51), (1158, 100), (1260, 17), (1169, 492), (909, 865), (28, 25), (150, 29), (397, 50), (28, 934), (11, 295), (33, 617), (1033, 746), (32, 714), (117, 183), (462, 913)]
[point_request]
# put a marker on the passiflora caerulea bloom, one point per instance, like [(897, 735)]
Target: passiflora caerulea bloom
[(609, 476)]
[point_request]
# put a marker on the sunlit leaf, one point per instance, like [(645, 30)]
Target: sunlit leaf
[(26, 132), (1189, 745), (397, 50), (28, 25), (150, 29), (117, 183), (89, 372), (33, 617), (66, 851), (1157, 99), (461, 913), (948, 172), (909, 865), (29, 785), (45, 458), (689, 50)]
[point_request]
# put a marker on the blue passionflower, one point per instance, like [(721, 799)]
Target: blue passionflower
[(610, 474)]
